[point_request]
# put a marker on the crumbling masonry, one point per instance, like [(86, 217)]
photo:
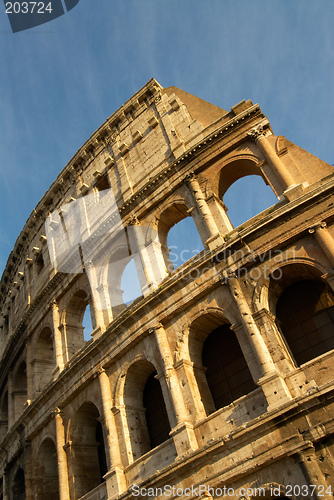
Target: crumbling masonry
[(221, 373)]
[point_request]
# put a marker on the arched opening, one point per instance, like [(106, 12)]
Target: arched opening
[(305, 313), (244, 190), (46, 472), (88, 462), (20, 389), (146, 412), (44, 361), (87, 323), (73, 322), (126, 277), (156, 414), (130, 284), (220, 368), (248, 197), (227, 372), (18, 488), (183, 242), (178, 236), (4, 416)]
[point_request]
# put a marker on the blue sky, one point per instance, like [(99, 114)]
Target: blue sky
[(61, 80)]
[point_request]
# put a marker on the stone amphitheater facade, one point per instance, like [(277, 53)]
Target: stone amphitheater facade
[(218, 381)]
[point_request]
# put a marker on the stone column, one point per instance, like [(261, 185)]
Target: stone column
[(183, 433), (313, 473), (259, 137), (57, 338), (64, 491), (215, 240), (273, 385), (186, 370), (115, 479), (324, 239)]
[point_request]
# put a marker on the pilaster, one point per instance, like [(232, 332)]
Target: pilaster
[(183, 433), (64, 491), (324, 239), (115, 478)]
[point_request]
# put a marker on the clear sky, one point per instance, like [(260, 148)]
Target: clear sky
[(60, 81)]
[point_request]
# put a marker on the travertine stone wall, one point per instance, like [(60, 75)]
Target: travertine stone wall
[(72, 411)]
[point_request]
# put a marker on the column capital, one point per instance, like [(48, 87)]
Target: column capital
[(53, 304), (134, 221), (317, 227), (157, 326), (58, 411), (257, 133), (190, 176)]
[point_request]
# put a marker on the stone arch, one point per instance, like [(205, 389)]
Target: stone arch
[(44, 358), (72, 322), (86, 451), (218, 361), (142, 387), (46, 472), (273, 270), (303, 304), (236, 168), (20, 388)]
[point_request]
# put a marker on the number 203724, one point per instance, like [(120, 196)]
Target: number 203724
[(28, 7)]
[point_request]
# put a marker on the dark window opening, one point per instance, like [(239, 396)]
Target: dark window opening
[(101, 451), (103, 183), (19, 491), (156, 414), (305, 311), (227, 374), (39, 263)]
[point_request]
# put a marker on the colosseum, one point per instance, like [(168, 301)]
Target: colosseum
[(217, 381)]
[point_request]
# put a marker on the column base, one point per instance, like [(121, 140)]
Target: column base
[(295, 191), (115, 482), (275, 390), (184, 438), (215, 241)]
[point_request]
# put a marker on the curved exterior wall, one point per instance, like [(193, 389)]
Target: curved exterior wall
[(72, 411)]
